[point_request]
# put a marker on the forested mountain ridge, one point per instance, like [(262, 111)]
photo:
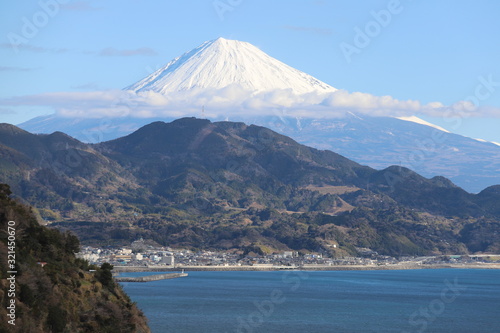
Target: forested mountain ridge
[(228, 185)]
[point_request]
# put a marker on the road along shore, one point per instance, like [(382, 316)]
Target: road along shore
[(403, 266)]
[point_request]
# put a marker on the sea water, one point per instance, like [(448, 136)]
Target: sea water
[(435, 300)]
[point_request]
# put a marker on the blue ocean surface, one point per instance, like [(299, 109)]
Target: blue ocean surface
[(435, 300)]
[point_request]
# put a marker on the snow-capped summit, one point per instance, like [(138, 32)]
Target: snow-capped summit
[(220, 63)]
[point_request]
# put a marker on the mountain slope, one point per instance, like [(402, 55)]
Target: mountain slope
[(222, 63), (380, 142), (166, 153), (227, 185), (214, 146), (62, 296), (374, 141), (58, 171)]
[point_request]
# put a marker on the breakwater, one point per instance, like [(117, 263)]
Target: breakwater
[(150, 278)]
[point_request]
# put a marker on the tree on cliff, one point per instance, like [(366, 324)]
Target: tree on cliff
[(61, 296)]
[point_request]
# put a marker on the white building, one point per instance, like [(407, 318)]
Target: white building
[(168, 260), (126, 251), (288, 254), (91, 257)]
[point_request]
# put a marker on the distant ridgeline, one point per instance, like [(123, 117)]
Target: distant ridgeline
[(193, 183), (45, 288)]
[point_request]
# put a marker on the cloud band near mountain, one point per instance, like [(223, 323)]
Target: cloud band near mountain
[(234, 101)]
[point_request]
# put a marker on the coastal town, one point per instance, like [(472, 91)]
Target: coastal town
[(139, 254)]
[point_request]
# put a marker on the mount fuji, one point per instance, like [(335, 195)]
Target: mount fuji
[(221, 63), (222, 76)]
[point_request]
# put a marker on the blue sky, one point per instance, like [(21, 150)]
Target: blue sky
[(445, 51)]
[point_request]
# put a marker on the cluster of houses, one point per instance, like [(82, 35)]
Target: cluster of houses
[(141, 255), (127, 256), (134, 256)]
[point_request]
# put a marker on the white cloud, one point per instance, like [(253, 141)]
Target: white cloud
[(234, 101)]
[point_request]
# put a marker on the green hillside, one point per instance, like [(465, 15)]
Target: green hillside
[(197, 184), (61, 296)]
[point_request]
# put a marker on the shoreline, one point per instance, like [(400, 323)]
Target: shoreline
[(120, 269)]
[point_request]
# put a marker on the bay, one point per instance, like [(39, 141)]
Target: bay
[(435, 300)]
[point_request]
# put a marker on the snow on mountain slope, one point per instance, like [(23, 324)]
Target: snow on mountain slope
[(422, 122), (221, 63)]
